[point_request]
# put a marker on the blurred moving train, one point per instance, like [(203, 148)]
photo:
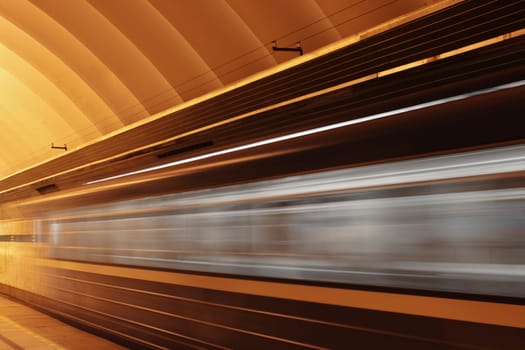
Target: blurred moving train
[(452, 223), (416, 253)]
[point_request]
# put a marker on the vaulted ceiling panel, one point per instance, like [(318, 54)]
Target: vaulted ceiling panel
[(35, 134), (291, 21), (13, 138), (146, 27), (57, 54), (351, 17), (44, 89), (117, 52), (220, 35)]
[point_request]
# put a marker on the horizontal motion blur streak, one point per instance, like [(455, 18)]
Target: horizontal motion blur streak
[(316, 130)]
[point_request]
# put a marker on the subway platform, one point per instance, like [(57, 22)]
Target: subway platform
[(22, 327)]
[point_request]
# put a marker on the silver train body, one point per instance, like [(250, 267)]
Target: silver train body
[(453, 223)]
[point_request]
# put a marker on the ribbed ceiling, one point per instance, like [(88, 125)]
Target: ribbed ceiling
[(71, 71)]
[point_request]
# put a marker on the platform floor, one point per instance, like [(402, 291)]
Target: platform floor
[(21, 327)]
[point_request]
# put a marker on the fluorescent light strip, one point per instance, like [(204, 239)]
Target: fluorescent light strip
[(317, 130)]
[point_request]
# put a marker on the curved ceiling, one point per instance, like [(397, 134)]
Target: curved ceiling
[(73, 71)]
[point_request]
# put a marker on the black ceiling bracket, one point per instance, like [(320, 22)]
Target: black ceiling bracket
[(298, 48), (59, 147)]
